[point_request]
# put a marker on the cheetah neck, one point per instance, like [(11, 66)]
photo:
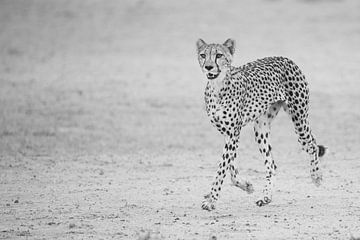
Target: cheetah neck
[(217, 84), (214, 92)]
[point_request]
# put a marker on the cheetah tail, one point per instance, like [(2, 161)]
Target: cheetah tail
[(322, 150)]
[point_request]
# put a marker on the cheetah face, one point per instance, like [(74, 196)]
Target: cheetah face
[(215, 58)]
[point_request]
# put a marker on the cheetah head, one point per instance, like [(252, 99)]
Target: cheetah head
[(215, 58)]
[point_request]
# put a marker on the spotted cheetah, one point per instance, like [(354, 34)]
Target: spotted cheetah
[(254, 92)]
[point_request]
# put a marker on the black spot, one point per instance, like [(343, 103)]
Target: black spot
[(321, 150)]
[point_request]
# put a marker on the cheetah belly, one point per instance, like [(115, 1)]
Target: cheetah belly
[(253, 108)]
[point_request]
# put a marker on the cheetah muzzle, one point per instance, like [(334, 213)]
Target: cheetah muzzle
[(212, 76)]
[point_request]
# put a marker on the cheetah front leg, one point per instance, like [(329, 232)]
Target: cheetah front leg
[(239, 182), (261, 136), (229, 153)]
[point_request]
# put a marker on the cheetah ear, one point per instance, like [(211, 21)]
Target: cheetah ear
[(200, 43), (230, 44)]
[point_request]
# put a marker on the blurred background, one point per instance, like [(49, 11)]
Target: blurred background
[(102, 120), (123, 75)]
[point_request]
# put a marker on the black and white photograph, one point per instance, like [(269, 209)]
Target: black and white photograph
[(180, 120)]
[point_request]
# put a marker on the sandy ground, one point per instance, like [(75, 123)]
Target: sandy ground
[(103, 132)]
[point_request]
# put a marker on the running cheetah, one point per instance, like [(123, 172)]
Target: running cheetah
[(255, 92)]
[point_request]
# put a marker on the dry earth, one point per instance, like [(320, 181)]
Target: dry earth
[(103, 132)]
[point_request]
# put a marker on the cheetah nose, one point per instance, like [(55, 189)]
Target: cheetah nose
[(209, 67)]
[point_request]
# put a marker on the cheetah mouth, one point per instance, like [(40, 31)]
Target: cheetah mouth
[(212, 75)]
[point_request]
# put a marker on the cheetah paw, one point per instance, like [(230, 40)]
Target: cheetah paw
[(262, 202), (207, 196), (316, 179), (248, 187), (208, 204), (244, 185)]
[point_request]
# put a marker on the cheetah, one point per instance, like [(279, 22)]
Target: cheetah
[(254, 92)]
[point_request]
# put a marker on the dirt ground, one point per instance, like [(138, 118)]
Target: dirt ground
[(103, 133)]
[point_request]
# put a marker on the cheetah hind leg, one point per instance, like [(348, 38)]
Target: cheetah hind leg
[(316, 176), (307, 140)]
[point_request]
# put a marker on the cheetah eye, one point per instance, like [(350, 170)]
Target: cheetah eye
[(203, 55), (219, 55)]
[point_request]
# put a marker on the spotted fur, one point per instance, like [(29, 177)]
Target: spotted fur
[(255, 92)]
